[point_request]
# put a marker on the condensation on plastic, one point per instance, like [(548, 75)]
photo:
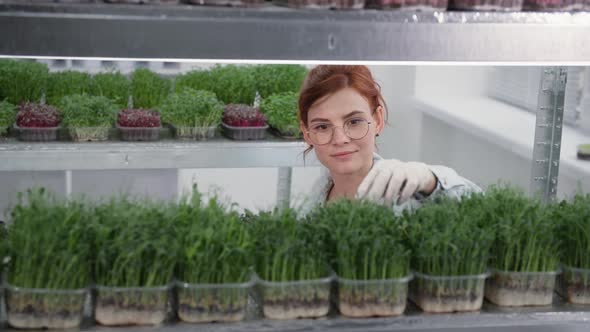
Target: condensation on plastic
[(448, 293), (89, 134), (508, 288), (133, 305), (37, 134), (31, 308), (295, 299), (232, 3), (371, 298), (139, 134), (574, 285), (244, 133), (202, 303)]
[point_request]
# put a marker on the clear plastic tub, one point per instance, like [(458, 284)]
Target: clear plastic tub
[(574, 285), (132, 305), (506, 288), (584, 149), (203, 303), (37, 134), (371, 298), (232, 3), (486, 5), (139, 134), (295, 299), (244, 133), (448, 293), (420, 5), (145, 2), (309, 4), (29, 308), (89, 134), (348, 4), (553, 5), (195, 133)]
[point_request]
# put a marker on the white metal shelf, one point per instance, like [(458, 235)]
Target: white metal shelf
[(560, 317), (194, 32), (218, 153)]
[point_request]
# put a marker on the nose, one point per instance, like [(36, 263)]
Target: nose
[(339, 137)]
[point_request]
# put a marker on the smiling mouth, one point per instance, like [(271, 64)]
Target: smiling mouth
[(342, 154)]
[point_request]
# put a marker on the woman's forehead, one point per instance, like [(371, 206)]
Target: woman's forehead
[(339, 104)]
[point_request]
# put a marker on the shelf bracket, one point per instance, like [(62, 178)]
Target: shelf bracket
[(548, 128)]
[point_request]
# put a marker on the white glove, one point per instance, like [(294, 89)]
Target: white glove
[(394, 182)]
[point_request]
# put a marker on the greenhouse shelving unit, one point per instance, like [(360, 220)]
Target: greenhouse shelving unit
[(272, 33), (275, 33)]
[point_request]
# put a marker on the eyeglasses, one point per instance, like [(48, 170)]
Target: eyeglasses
[(322, 134)]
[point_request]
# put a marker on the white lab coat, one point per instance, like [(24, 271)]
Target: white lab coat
[(449, 183)]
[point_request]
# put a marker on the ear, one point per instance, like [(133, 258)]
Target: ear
[(305, 134), (379, 117)]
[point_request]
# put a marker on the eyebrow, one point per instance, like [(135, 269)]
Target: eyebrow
[(355, 112)]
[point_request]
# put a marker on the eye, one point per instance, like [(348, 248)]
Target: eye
[(320, 127), (355, 122)]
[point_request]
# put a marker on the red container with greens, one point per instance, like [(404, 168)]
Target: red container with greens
[(35, 122), (139, 125)]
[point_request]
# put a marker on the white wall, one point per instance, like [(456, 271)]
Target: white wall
[(479, 160)]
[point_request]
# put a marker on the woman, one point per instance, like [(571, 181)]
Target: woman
[(341, 114)]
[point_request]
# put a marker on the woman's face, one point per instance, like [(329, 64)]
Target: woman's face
[(342, 154)]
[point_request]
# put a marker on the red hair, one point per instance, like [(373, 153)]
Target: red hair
[(324, 80)]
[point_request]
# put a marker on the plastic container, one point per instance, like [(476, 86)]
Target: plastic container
[(204, 303), (448, 293), (244, 133), (584, 151), (309, 4), (421, 5), (139, 133), (295, 299), (232, 3), (144, 2), (370, 298), (553, 5), (132, 305), (29, 308), (486, 5), (574, 285), (89, 134), (37, 134), (195, 133), (506, 288)]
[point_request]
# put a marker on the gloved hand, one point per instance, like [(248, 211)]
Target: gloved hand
[(394, 182)]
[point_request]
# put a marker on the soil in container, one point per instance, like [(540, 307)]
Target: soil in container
[(506, 288), (212, 303), (44, 308), (131, 306), (372, 298), (486, 5), (443, 294), (574, 285), (296, 299)]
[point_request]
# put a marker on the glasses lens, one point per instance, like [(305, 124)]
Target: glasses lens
[(321, 135), (356, 128)]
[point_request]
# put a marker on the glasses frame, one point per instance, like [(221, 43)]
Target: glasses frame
[(309, 132)]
